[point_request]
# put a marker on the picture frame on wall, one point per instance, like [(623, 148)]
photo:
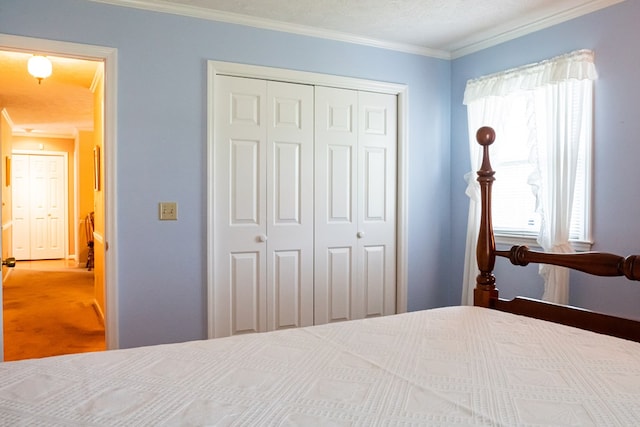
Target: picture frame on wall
[(7, 167), (96, 168)]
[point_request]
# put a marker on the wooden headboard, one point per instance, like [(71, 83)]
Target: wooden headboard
[(596, 263)]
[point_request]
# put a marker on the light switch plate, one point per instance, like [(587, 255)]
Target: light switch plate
[(168, 210)]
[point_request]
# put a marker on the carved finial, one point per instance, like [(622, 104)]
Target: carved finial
[(485, 136)]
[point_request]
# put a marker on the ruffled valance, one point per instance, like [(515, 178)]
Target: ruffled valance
[(577, 65)]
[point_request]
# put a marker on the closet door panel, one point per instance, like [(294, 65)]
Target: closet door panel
[(240, 206), (245, 292), (374, 193), (39, 204), (21, 216), (340, 185), (377, 153), (288, 288), (289, 178), (244, 179), (287, 183), (340, 283), (374, 280), (336, 287)]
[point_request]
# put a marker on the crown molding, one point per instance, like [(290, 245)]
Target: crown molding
[(269, 24), (500, 35), (6, 116), (64, 134), (467, 46), (97, 78)]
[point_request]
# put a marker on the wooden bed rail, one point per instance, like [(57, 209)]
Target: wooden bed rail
[(595, 263)]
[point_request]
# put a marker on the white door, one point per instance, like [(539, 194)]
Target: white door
[(377, 183), (289, 205), (355, 228), (336, 191), (39, 206), (263, 204), (21, 184)]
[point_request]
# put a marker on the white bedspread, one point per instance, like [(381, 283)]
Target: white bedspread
[(449, 366)]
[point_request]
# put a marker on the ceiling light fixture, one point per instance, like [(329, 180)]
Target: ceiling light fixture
[(39, 67)]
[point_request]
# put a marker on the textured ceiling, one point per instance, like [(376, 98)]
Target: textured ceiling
[(59, 105), (440, 28), (436, 27)]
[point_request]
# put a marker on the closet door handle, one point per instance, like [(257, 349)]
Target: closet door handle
[(360, 234), (262, 238)]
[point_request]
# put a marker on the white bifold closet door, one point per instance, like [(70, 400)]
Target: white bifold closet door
[(355, 199), (304, 203), (263, 233)]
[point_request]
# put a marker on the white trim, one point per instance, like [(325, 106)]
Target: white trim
[(5, 114), (532, 242), (40, 152), (251, 71), (402, 202), (38, 134), (96, 78), (210, 198), (495, 36), (304, 77), (475, 43), (271, 24), (76, 197), (54, 47), (98, 237), (98, 310), (109, 56)]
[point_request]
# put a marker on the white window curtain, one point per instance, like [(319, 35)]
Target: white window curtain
[(560, 92)]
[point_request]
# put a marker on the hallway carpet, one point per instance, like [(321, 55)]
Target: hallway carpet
[(48, 313)]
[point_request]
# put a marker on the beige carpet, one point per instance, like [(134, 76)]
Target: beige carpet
[(47, 313)]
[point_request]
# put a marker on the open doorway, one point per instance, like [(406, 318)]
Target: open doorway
[(34, 124)]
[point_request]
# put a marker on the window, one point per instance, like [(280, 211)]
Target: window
[(543, 117), (515, 219)]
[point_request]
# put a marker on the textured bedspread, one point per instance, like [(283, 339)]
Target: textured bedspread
[(449, 366)]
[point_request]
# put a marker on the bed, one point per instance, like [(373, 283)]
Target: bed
[(467, 365)]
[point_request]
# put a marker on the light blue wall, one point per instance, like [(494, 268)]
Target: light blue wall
[(613, 34), (162, 127), (161, 146)]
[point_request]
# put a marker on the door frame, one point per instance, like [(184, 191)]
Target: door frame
[(109, 56), (303, 77), (65, 160)]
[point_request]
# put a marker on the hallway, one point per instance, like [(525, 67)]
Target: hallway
[(49, 309)]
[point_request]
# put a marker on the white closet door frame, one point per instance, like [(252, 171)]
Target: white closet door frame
[(266, 73)]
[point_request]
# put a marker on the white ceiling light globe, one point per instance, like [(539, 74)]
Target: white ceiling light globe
[(39, 67)]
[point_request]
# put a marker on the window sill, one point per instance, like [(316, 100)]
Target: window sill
[(530, 241)]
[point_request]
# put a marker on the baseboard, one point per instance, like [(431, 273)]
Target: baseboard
[(6, 272), (98, 311)]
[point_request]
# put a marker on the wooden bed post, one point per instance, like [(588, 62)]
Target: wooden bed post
[(485, 291)]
